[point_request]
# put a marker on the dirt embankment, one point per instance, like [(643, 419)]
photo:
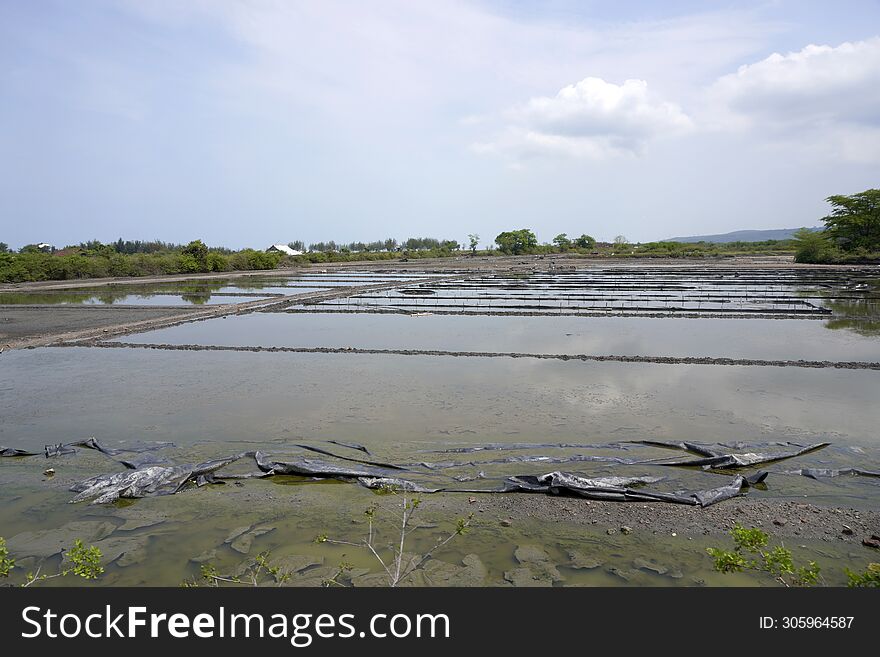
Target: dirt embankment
[(664, 360), (21, 325)]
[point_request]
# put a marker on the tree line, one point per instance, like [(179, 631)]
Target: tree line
[(388, 245), (851, 234), (96, 260)]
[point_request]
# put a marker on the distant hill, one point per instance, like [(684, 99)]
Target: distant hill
[(742, 236)]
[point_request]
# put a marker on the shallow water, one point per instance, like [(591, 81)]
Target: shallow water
[(730, 338), (413, 409), (92, 297)]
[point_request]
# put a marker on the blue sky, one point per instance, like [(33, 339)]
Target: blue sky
[(247, 123)]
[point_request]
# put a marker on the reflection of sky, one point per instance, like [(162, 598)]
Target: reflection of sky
[(730, 338), (402, 404)]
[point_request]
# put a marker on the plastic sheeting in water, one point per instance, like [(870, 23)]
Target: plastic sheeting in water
[(718, 459)]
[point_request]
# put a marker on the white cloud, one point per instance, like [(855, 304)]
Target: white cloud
[(816, 85), (592, 118), (443, 67), (824, 99)]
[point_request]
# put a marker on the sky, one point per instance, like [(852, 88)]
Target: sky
[(252, 122)]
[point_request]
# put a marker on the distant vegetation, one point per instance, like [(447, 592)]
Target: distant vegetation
[(97, 260), (851, 235), (126, 258)]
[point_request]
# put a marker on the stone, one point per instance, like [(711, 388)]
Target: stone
[(242, 544), (538, 565), (434, 572), (207, 555), (525, 577), (235, 533), (582, 561), (622, 573), (644, 564), (525, 554), (123, 549), (295, 563), (44, 543), (137, 518)]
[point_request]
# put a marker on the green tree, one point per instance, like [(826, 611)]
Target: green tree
[(621, 241), (812, 246), (474, 241), (562, 242), (585, 242), (516, 242), (199, 253), (854, 222), (31, 248), (4, 247)]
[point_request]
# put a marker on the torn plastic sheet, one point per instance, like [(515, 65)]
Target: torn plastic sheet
[(715, 459), (577, 458), (515, 446), (149, 481), (356, 446), (395, 483), (319, 450), (12, 452), (91, 443), (317, 468), (158, 480), (821, 473), (622, 489)]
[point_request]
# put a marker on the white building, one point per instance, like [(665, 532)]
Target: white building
[(283, 248)]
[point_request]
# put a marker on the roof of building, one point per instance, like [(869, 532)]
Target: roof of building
[(283, 248)]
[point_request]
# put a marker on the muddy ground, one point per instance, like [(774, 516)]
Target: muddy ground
[(780, 518), (21, 324)]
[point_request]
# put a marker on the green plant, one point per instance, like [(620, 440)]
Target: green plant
[(394, 562), (85, 561), (516, 242), (258, 571), (868, 579), (6, 564), (854, 222), (473, 241), (813, 246), (749, 553), (80, 560)]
